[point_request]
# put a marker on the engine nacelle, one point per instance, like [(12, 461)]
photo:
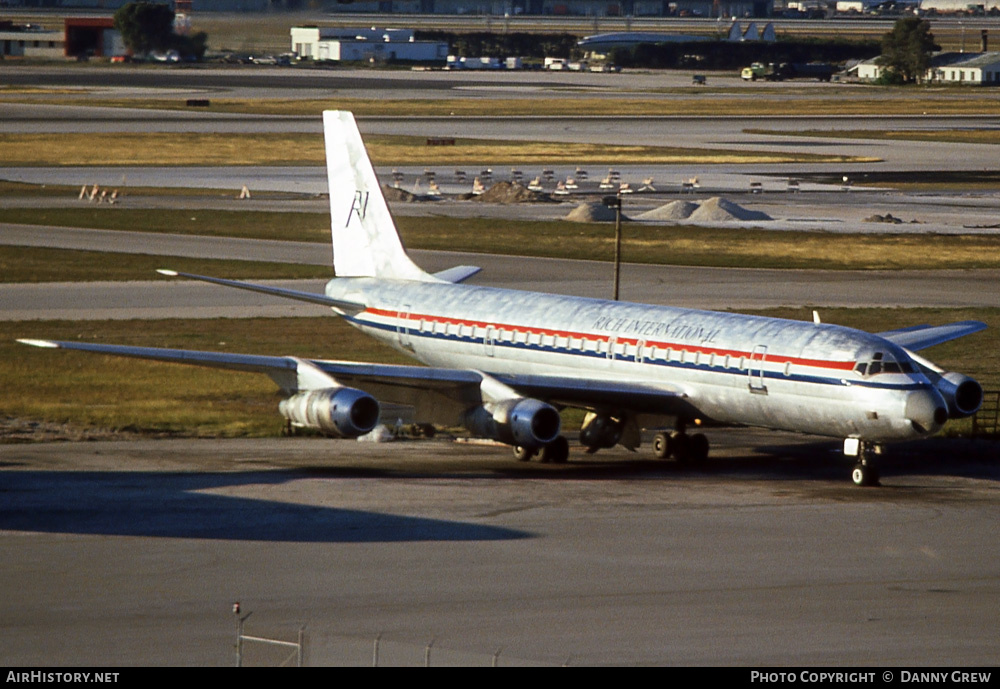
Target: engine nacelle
[(963, 394), (601, 431), (520, 421), (339, 412)]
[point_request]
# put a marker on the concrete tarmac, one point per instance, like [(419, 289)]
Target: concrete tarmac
[(132, 553)]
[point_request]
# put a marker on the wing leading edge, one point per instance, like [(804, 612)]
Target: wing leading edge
[(419, 386), (920, 337)]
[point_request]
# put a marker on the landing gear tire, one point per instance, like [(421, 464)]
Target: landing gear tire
[(689, 450), (864, 475), (681, 444), (662, 446), (697, 448), (523, 454), (556, 452)]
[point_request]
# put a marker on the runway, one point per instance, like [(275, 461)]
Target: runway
[(691, 287)]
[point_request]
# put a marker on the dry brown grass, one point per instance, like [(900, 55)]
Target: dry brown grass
[(854, 99), (307, 149)]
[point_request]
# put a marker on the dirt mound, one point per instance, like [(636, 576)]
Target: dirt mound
[(887, 218), (510, 192), (675, 210), (718, 209), (400, 195), (592, 212)]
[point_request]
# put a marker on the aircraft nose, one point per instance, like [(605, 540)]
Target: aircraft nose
[(926, 410)]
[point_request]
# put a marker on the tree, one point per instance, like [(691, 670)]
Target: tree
[(906, 50), (145, 26)]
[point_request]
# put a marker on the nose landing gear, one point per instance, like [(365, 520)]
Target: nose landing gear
[(865, 472)]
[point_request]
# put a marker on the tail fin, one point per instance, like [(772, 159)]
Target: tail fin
[(365, 240)]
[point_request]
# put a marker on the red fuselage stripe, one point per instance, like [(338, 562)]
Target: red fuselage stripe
[(531, 330)]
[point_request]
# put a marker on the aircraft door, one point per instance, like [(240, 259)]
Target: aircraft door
[(489, 340), (403, 326), (755, 370)]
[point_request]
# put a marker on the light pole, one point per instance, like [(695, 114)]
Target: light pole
[(616, 203)]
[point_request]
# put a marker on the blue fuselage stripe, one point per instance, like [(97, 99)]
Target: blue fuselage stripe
[(838, 380)]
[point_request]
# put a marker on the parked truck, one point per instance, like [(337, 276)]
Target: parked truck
[(821, 71)]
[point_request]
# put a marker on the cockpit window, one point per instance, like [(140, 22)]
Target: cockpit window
[(882, 362)]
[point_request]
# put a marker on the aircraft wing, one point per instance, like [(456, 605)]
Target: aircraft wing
[(446, 392), (920, 337)]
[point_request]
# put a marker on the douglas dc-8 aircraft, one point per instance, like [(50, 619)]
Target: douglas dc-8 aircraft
[(503, 362)]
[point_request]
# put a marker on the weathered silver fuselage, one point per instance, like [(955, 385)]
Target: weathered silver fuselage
[(731, 368)]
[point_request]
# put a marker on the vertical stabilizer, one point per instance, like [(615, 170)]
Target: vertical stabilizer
[(365, 240)]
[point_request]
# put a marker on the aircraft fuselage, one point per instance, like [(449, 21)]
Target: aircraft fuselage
[(732, 368)]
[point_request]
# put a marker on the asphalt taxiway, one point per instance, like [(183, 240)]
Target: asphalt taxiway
[(692, 287), (133, 553)]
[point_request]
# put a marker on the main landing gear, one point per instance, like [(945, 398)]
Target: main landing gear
[(865, 472), (556, 452), (686, 449)]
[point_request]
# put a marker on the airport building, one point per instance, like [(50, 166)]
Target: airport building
[(30, 41), (974, 69), (959, 6), (81, 36), (356, 45), (579, 8)]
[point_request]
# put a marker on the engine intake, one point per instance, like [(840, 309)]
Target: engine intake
[(339, 412), (520, 421), (963, 394)]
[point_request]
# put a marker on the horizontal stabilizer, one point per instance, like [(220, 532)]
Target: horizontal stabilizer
[(322, 299), (920, 337), (457, 274)]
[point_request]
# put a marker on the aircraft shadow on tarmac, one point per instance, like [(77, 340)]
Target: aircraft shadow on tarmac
[(824, 460), (168, 505), (798, 460)]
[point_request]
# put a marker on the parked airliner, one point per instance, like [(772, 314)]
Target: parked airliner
[(503, 362)]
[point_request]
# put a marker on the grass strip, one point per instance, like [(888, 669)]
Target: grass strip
[(954, 136), (854, 99), (89, 390), (301, 227), (71, 149), (94, 391), (19, 264), (653, 244)]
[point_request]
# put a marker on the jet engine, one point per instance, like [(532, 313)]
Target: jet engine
[(963, 394), (519, 421), (340, 412), (601, 431)]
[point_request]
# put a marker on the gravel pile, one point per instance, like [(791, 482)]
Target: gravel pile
[(592, 212), (718, 209), (675, 210)]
